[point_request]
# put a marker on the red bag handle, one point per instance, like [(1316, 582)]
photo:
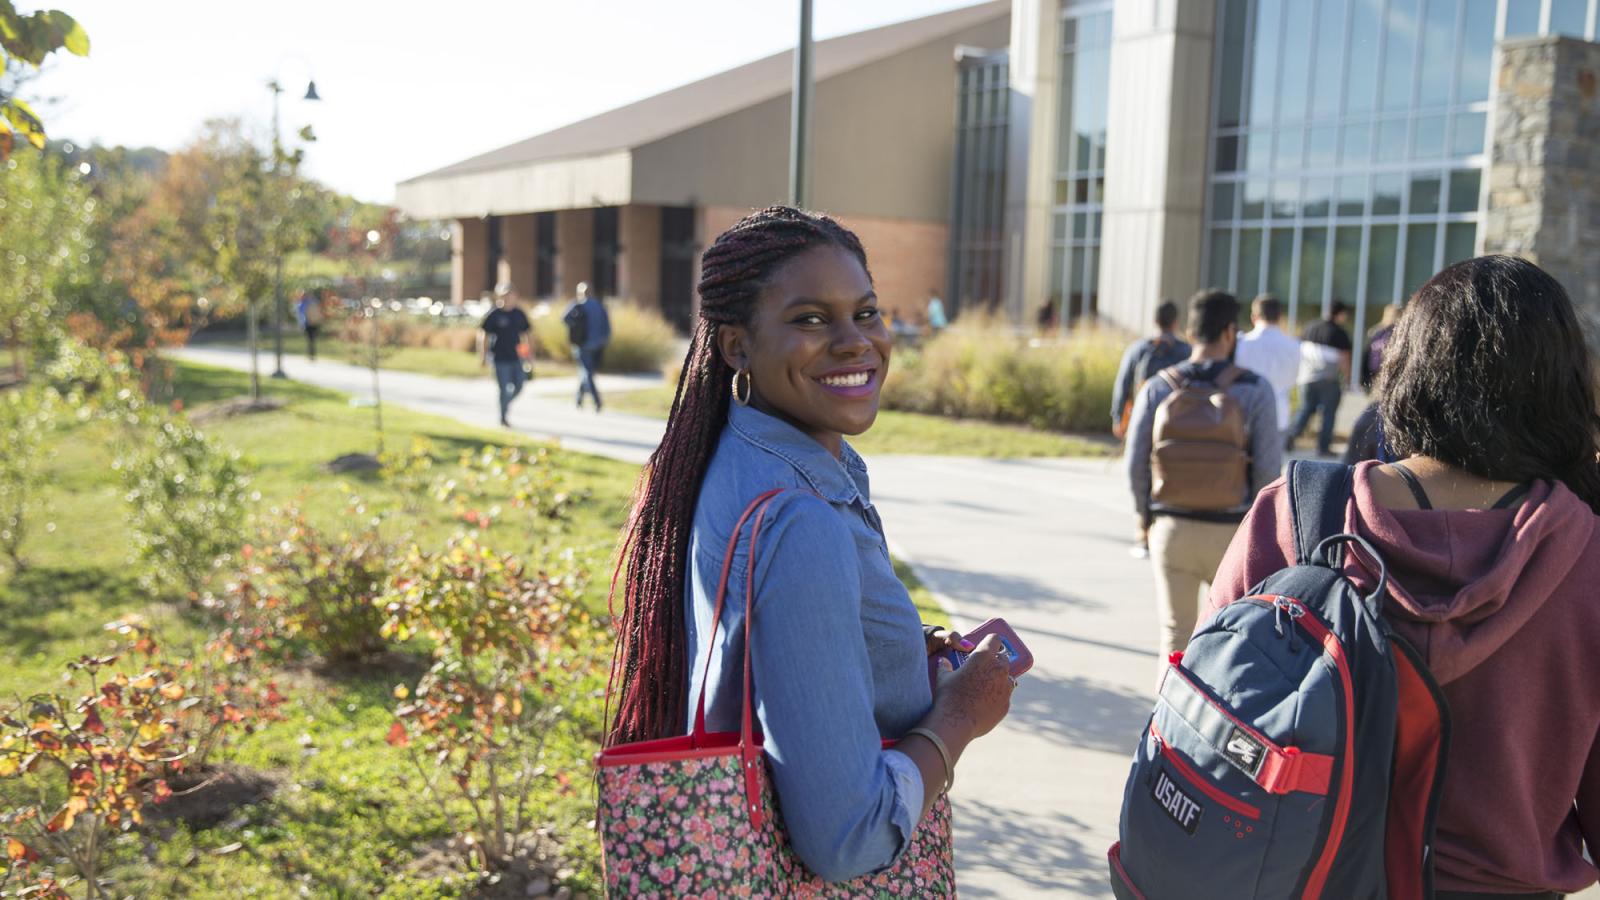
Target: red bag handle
[(749, 752)]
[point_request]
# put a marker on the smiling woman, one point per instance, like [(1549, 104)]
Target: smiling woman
[(788, 358)]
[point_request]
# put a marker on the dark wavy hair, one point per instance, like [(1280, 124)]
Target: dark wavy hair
[(1488, 370), (649, 667)]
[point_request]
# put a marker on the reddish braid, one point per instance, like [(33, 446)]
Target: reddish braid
[(652, 655)]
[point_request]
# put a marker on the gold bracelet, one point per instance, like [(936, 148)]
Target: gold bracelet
[(944, 754)]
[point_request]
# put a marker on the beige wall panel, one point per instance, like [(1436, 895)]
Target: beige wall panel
[(519, 252), (603, 180), (574, 249), (469, 249), (882, 143), (639, 268)]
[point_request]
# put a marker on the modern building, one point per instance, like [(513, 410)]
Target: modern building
[(626, 200), (1321, 150), (1057, 160)]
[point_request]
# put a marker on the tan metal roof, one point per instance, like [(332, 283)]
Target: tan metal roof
[(711, 98)]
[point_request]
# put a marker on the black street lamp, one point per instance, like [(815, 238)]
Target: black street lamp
[(277, 278)]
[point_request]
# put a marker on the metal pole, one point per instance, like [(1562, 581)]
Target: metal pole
[(800, 120), (277, 244)]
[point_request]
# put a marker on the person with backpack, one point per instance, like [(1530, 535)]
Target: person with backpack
[(1142, 359), (1453, 633), (1202, 440), (589, 331), (310, 312), (504, 335)]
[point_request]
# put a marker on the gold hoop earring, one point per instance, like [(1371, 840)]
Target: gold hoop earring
[(748, 384)]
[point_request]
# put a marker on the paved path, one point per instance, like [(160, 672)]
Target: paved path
[(1041, 543)]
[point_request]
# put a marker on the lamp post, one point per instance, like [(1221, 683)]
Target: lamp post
[(277, 275), (800, 113)]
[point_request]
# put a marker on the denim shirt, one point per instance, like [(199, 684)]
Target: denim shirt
[(840, 659)]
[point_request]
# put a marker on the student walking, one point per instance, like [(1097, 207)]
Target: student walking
[(504, 335), (788, 357), (311, 315), (1143, 359), (1268, 352), (1202, 440), (589, 331), (1488, 525), (1324, 368)]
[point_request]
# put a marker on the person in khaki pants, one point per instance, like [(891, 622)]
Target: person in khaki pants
[(1202, 442)]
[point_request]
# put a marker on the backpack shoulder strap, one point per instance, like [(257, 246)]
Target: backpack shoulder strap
[(1319, 492), (1229, 375), (1173, 378)]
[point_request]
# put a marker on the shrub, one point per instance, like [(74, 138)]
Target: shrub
[(298, 586), (513, 650), (101, 759), (25, 418), (408, 472), (987, 371), (528, 478), (641, 341), (187, 504)]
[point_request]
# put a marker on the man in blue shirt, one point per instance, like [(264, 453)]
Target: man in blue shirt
[(1143, 359), (505, 335), (589, 330)]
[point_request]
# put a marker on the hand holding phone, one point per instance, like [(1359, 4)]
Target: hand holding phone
[(1020, 659)]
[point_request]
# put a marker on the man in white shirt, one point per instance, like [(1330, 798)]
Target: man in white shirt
[(1268, 352)]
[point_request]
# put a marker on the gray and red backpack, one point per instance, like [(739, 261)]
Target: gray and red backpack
[(1297, 748)]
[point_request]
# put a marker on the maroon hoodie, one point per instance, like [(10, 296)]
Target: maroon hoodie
[(1505, 607)]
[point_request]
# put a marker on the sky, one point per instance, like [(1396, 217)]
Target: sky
[(407, 86)]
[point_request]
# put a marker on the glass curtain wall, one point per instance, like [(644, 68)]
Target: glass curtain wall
[(977, 237), (1083, 92), (1349, 144)]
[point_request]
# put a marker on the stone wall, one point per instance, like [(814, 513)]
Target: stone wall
[(1544, 166)]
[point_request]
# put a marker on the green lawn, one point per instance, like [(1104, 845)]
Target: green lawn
[(348, 817), (919, 434), (426, 360)]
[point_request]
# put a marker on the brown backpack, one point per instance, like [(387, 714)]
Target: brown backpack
[(1200, 458)]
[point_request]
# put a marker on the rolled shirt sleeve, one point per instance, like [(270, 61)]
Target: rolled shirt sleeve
[(850, 807)]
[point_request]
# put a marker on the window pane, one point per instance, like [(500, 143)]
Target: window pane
[(1058, 260), (1264, 64), (1429, 140), (1280, 263), (1075, 298), (1290, 143), (1313, 261), (1065, 142), (1392, 140), (1228, 153), (1097, 189), (1425, 193), (1222, 195), (1458, 241), (1477, 45), (1318, 197), (1285, 199), (1322, 147), (1569, 17), (1522, 17), (1255, 200), (1469, 135), (1220, 259), (1361, 80), (1258, 151), (1249, 278), (1386, 193), (1464, 190), (1330, 58), (1352, 194), (1419, 256), (1356, 146), (1233, 49), (1346, 262), (1380, 271), (1438, 50), (1399, 53), (1058, 228), (1092, 280), (1063, 191), (1296, 61)]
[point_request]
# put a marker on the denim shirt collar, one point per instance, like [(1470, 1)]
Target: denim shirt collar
[(842, 480)]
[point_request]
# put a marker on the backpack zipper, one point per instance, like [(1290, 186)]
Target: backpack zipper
[(1341, 810), (1170, 754)]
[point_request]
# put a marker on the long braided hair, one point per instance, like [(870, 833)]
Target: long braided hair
[(652, 653)]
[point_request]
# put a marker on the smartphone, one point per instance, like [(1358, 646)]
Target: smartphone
[(1021, 660)]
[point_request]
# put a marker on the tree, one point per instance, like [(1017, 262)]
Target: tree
[(46, 215), (25, 41)]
